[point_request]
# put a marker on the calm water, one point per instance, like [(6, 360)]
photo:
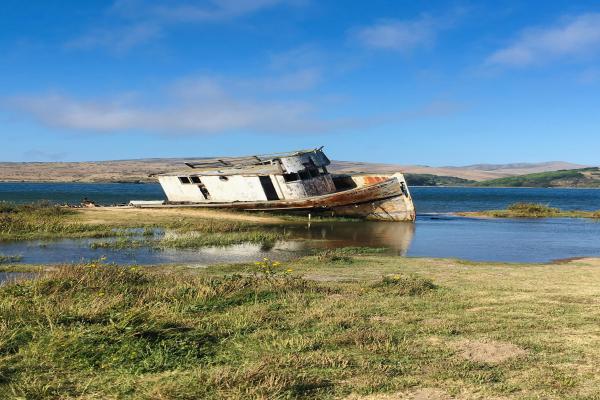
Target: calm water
[(73, 193), (435, 234)]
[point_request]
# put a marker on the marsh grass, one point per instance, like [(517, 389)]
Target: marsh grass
[(105, 331), (120, 243), (7, 259), (345, 255), (405, 284), (43, 220), (47, 221), (534, 210), (190, 240)]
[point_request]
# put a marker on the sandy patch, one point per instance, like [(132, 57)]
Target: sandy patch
[(110, 214), (488, 351)]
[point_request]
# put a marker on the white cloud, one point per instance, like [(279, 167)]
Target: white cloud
[(117, 39), (399, 35), (589, 76), (214, 10), (198, 106), (578, 36), (139, 21), (297, 57), (300, 80)]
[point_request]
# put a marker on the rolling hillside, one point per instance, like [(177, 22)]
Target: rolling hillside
[(584, 177)]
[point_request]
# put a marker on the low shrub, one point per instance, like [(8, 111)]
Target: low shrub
[(534, 210), (345, 254), (403, 284), (4, 259)]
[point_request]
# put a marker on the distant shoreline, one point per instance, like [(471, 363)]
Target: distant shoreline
[(410, 186)]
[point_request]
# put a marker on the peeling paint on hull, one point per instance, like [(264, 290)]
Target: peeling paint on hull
[(381, 198)]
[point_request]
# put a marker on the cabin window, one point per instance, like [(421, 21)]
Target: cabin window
[(184, 179), (304, 174), (223, 178), (268, 187), (195, 179), (292, 177), (314, 172)]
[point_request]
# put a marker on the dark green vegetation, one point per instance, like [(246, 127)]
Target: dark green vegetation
[(533, 210), (311, 328), (435, 180), (7, 259), (586, 177)]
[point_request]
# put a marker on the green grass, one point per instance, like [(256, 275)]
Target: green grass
[(191, 240), (586, 177), (19, 267), (41, 220), (121, 243), (345, 254), (197, 240), (533, 210), (309, 329)]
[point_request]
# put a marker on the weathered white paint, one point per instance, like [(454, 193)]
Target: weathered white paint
[(299, 162), (176, 191), (236, 187)]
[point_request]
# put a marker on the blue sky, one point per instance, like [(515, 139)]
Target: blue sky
[(408, 82)]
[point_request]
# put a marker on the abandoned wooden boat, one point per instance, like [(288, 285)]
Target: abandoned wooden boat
[(294, 181)]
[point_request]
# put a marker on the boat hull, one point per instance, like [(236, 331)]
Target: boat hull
[(381, 198)]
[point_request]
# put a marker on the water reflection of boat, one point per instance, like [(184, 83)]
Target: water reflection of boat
[(396, 237)]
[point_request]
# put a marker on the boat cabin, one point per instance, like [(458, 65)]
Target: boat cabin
[(280, 176)]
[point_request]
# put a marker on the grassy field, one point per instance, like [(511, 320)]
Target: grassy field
[(532, 210), (337, 325)]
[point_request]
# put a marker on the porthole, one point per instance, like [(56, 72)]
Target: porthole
[(223, 178)]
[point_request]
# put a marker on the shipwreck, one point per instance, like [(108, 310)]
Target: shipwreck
[(295, 181)]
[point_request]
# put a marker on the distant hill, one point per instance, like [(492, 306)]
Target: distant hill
[(141, 170), (478, 172), (517, 168), (584, 177), (435, 180)]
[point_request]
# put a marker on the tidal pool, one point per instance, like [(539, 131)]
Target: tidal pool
[(505, 240)]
